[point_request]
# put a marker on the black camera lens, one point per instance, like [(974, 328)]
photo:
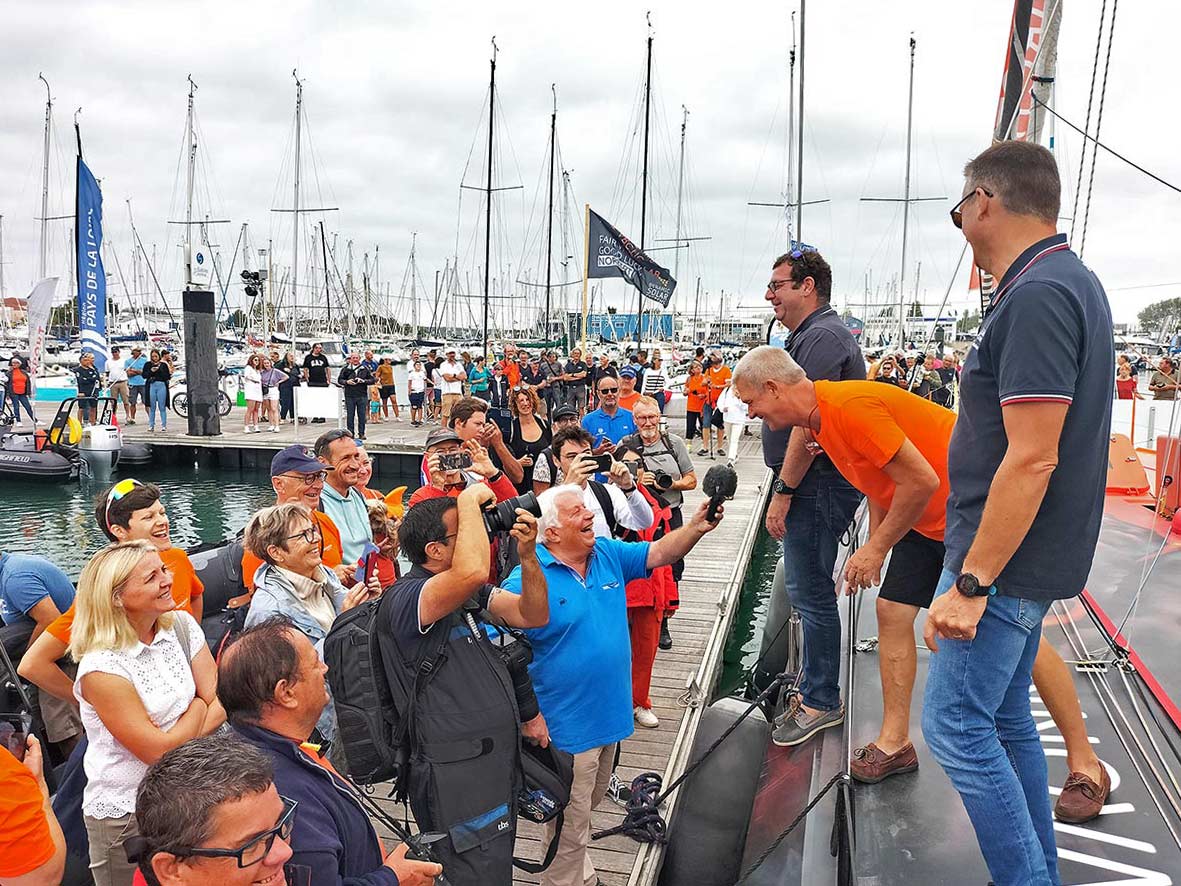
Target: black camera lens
[(500, 517), (663, 481)]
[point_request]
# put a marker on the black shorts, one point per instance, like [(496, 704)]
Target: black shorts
[(915, 566)]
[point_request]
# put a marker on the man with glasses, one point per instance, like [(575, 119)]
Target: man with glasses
[(1027, 465), (443, 444), (271, 683), (341, 498), (812, 504), (297, 477), (609, 423)]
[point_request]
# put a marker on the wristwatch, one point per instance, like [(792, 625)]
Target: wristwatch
[(969, 585), (781, 488)]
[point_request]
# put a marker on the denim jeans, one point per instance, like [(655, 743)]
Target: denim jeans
[(19, 400), (158, 402), (978, 725), (820, 512), (356, 410)]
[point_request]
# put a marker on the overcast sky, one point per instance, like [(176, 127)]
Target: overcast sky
[(394, 96)]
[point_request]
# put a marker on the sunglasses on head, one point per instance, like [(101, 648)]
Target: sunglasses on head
[(116, 492)]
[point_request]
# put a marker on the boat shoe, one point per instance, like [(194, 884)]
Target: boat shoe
[(1081, 799), (870, 764), (795, 725)]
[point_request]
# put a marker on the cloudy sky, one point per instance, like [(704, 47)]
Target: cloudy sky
[(394, 96)]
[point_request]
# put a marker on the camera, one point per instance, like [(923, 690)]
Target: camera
[(517, 656), (602, 462), (501, 516), (662, 480), (455, 461)]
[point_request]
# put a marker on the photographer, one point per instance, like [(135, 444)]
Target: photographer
[(616, 504), (430, 623), (887, 371), (667, 473), (451, 465)]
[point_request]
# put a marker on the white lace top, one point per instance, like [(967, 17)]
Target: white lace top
[(164, 681)]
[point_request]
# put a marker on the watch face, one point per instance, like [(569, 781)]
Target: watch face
[(968, 585)]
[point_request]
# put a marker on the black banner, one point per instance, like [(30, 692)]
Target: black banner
[(613, 255)]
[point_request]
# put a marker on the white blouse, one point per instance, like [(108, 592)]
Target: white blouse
[(253, 383), (164, 681)]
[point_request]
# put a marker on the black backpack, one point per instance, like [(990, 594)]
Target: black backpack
[(372, 716)]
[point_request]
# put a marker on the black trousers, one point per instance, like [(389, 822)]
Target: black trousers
[(356, 408)]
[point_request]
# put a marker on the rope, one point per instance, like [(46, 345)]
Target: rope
[(1087, 125), (766, 853), (1098, 125)]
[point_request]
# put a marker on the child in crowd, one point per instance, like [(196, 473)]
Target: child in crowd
[(385, 540), (375, 404)]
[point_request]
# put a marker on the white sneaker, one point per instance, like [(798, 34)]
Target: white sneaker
[(645, 717), (273, 429)]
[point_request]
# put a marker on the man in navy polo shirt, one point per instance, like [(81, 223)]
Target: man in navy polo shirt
[(582, 658), (1027, 466), (812, 503), (610, 423)]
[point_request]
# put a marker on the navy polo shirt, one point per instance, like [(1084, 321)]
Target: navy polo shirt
[(1047, 338), (826, 350), (609, 427)]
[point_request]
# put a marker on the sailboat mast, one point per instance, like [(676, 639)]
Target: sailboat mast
[(791, 122), (295, 207), (3, 306), (549, 236), (327, 279), (906, 205), (644, 178), (680, 195), (191, 151), (800, 138), (45, 177), (488, 192)]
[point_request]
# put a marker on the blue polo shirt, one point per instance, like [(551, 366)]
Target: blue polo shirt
[(604, 427), (25, 581), (582, 658), (1048, 339), (138, 363)]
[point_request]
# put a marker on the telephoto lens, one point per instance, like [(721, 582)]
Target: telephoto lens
[(501, 516)]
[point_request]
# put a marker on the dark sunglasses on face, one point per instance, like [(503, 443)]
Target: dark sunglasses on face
[(956, 213), (608, 390)]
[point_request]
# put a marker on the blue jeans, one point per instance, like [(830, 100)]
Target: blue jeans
[(158, 402), (820, 512), (977, 723), (17, 401)]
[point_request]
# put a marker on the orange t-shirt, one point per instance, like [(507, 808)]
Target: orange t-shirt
[(863, 424), (25, 839), (696, 390), (330, 554), (628, 401), (717, 377), (185, 586), (512, 371)]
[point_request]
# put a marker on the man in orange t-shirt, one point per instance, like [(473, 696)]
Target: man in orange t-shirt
[(31, 840), (892, 446)]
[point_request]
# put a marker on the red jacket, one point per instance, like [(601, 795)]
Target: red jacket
[(659, 589)]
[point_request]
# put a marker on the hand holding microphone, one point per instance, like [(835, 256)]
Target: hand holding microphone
[(720, 484)]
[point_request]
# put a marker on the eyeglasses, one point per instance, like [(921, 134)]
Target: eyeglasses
[(254, 851), (776, 285), (119, 490), (446, 538), (309, 479), (310, 535), (957, 216)]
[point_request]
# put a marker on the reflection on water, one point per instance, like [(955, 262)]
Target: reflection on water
[(746, 632), (56, 520)]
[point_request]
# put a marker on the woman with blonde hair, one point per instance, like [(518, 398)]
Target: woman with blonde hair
[(146, 684), (252, 391)]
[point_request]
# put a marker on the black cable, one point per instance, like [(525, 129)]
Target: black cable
[(1087, 125), (1098, 125), (766, 853)]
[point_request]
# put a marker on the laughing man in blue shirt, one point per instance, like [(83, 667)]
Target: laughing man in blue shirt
[(587, 635)]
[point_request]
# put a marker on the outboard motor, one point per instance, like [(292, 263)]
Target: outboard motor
[(99, 448)]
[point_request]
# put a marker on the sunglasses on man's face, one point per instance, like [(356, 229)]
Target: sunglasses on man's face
[(956, 213)]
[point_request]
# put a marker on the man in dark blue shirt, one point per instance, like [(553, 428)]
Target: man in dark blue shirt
[(812, 503), (88, 382), (1027, 466)]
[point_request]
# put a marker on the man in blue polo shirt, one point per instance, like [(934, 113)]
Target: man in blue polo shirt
[(582, 658), (32, 589), (610, 423), (1027, 466)]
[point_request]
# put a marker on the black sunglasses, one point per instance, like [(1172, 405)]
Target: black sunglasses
[(256, 849), (608, 390), (957, 216)]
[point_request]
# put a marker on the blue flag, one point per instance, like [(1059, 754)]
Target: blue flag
[(92, 279), (614, 255)]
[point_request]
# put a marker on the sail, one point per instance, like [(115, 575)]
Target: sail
[(1032, 19), (40, 304), (92, 279)]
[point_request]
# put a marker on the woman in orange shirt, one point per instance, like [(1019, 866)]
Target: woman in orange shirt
[(696, 389), (18, 390)]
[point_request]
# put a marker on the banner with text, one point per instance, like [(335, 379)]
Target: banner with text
[(613, 255), (38, 307), (92, 279)]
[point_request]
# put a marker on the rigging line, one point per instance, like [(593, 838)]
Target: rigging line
[(1087, 125), (1111, 151), (1098, 125), (1148, 732)]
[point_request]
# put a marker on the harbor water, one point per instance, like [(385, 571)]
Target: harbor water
[(746, 632)]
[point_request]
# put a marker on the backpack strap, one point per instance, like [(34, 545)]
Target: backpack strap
[(603, 497), (534, 867), (427, 667)]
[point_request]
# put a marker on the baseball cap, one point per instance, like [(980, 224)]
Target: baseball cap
[(298, 460), (441, 435), (627, 372), (564, 412)]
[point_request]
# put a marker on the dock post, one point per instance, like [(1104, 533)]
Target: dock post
[(200, 338)]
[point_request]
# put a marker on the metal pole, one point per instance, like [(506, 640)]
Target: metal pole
[(906, 205), (585, 273), (191, 150), (549, 241), (680, 192), (295, 212), (45, 177), (800, 142), (488, 192), (644, 185), (791, 122)]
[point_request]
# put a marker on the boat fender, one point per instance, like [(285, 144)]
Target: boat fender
[(774, 647), (708, 830), (74, 435)]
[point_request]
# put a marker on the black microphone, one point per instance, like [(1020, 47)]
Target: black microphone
[(720, 484)]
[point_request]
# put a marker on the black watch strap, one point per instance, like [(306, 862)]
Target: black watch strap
[(781, 488)]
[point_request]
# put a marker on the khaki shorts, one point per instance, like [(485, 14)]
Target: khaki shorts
[(120, 393)]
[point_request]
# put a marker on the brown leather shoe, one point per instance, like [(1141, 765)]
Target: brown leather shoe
[(871, 764), (1081, 799)]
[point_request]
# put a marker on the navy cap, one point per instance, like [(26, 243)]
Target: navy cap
[(296, 460), (441, 435), (627, 372), (564, 412)]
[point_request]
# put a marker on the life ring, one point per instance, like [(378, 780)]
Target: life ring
[(75, 432)]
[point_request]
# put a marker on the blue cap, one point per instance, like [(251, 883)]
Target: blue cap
[(627, 372), (296, 460)]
